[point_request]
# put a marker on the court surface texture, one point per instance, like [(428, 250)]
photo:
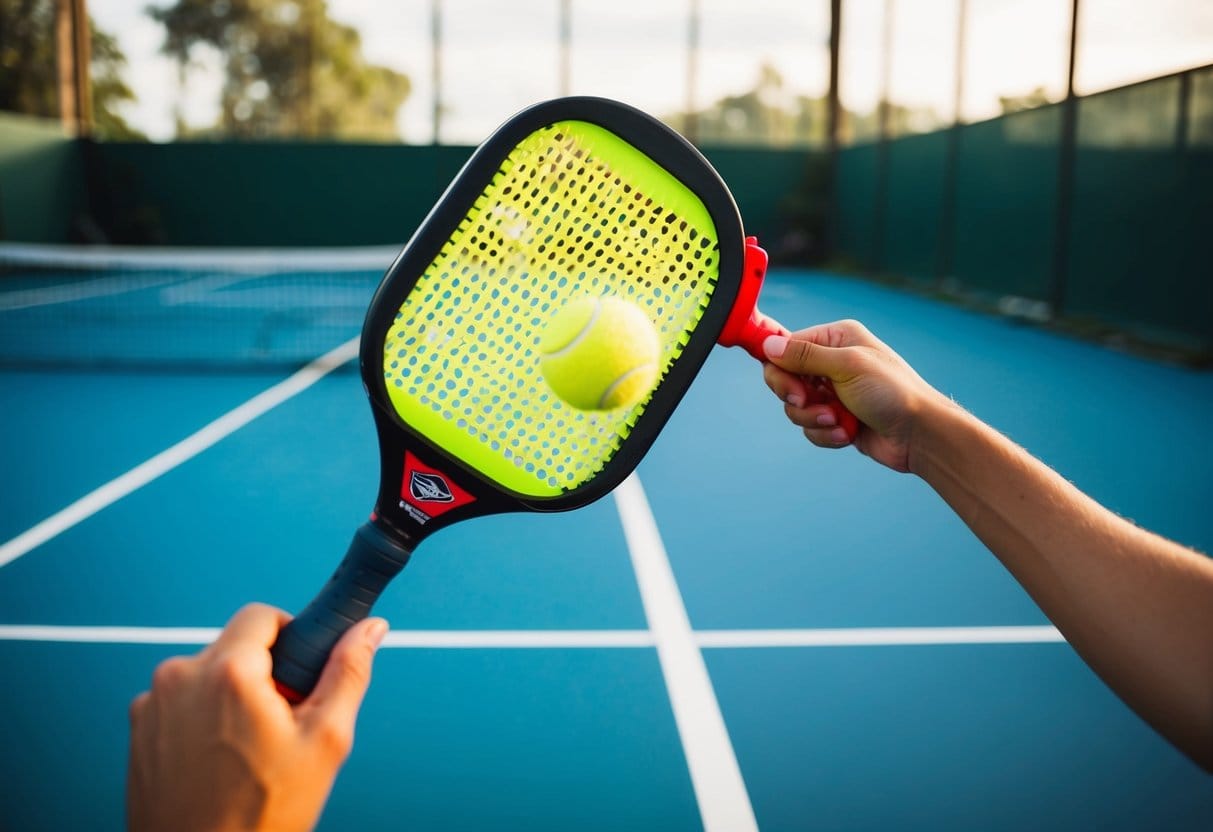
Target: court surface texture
[(750, 633)]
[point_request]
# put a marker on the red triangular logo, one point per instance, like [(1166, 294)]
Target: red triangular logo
[(429, 490)]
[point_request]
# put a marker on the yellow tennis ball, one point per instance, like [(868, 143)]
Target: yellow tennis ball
[(599, 353)]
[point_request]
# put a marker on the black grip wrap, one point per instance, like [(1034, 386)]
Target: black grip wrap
[(303, 646)]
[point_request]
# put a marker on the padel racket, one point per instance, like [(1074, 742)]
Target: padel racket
[(572, 197)]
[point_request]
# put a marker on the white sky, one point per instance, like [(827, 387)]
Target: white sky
[(498, 57)]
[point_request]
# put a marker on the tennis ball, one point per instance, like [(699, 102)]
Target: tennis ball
[(599, 353)]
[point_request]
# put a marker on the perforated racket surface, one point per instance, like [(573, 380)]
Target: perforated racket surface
[(571, 197)]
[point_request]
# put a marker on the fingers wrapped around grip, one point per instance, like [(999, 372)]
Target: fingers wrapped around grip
[(800, 373)]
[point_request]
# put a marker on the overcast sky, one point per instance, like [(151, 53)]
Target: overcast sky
[(498, 57)]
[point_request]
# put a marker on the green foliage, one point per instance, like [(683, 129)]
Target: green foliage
[(771, 115), (768, 114), (289, 69), (109, 90), (29, 81), (1038, 97)]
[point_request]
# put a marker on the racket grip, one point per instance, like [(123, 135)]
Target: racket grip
[(303, 646), (748, 328)]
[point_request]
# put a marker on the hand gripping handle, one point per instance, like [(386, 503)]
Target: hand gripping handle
[(303, 646), (747, 328)]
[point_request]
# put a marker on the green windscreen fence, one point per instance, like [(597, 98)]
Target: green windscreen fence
[(42, 194), (300, 194), (981, 208), (912, 227), (1006, 204), (267, 193), (781, 195), (1140, 251), (855, 196)]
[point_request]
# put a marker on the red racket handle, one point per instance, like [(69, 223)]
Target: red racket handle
[(747, 328)]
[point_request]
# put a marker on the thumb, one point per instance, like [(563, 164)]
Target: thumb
[(805, 358), (346, 676)]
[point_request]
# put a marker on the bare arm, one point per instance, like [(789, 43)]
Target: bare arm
[(1136, 607)]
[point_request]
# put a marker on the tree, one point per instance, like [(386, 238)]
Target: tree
[(289, 69), (29, 82), (109, 89), (771, 115), (767, 114), (1038, 97)]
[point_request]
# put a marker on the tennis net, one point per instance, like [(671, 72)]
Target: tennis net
[(78, 306)]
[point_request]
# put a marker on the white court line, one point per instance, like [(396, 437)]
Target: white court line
[(170, 458), (518, 638), (447, 639), (880, 636), (109, 635), (724, 803), (506, 639), (246, 260), (80, 290), (195, 290)]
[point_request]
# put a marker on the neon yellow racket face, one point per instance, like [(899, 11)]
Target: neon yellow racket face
[(573, 210)]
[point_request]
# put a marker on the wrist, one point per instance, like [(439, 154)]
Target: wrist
[(940, 427)]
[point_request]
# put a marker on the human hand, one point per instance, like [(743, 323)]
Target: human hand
[(869, 378), (214, 746)]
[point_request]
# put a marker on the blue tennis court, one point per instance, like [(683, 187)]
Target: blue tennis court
[(749, 631)]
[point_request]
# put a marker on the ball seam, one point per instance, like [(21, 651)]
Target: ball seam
[(606, 395), (580, 336)]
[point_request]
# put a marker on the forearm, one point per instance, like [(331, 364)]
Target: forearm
[(1136, 607)]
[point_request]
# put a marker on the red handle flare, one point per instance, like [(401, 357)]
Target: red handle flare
[(287, 693), (746, 327)]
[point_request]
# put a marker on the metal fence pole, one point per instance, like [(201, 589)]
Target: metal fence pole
[(885, 117), (1184, 116), (691, 127), (565, 26), (436, 66), (1065, 178), (946, 261), (833, 128)]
